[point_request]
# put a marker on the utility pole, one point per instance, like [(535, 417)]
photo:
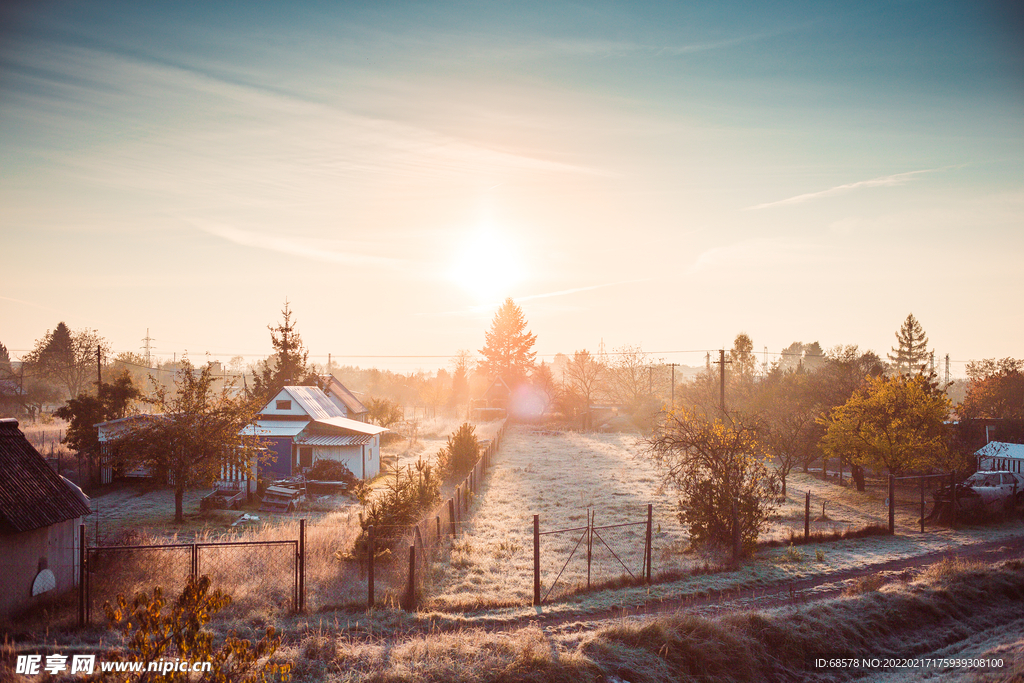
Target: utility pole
[(947, 370), (148, 347), (721, 363), (673, 366), (99, 368)]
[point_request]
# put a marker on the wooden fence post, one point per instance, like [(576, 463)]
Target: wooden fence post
[(952, 498), (370, 551), (411, 600), (922, 505), (536, 560), (82, 575), (451, 514), (737, 537), (302, 565), (648, 553), (807, 517), (892, 504)]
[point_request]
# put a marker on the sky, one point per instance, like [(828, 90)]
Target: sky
[(657, 174)]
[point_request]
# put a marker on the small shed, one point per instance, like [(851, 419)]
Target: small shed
[(40, 512), (1001, 456)]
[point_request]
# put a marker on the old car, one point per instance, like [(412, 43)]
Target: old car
[(984, 493)]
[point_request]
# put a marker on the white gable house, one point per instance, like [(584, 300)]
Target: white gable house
[(303, 424)]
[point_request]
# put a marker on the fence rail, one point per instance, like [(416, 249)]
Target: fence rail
[(261, 568)]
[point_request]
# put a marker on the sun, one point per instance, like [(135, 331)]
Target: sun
[(487, 265)]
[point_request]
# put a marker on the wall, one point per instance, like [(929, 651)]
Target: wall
[(20, 556)]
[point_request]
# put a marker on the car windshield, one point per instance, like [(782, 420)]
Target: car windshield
[(979, 479)]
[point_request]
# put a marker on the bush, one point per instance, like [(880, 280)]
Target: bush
[(153, 634), (406, 496), (718, 470), (460, 454)]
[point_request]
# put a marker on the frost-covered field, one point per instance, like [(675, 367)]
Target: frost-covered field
[(559, 476)]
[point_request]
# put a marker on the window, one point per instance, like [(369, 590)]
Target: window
[(305, 456), (284, 405)]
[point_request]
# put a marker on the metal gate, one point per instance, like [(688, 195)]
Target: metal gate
[(594, 540)]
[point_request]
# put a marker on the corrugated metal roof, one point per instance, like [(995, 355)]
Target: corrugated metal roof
[(1000, 449), (333, 439), (352, 425), (32, 495), (315, 402), (274, 428)]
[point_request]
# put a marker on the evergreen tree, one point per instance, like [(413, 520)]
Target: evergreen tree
[(67, 359), (911, 350), (288, 365), (508, 346)]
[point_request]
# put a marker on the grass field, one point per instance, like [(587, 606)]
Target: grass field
[(559, 476)]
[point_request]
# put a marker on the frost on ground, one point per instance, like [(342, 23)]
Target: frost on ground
[(559, 476)]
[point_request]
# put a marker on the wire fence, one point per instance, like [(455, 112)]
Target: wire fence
[(258, 575)]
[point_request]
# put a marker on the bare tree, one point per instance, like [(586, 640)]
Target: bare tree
[(580, 382)]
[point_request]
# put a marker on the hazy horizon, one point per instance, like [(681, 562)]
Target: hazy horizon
[(663, 175)]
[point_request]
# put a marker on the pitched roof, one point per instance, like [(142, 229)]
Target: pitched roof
[(315, 402), (350, 425), (332, 387), (1000, 449), (31, 494)]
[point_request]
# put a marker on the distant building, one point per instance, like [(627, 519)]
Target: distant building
[(40, 512), (304, 424)]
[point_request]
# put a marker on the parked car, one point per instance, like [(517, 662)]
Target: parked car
[(990, 492), (983, 493)]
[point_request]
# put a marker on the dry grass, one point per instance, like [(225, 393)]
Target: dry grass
[(935, 611)]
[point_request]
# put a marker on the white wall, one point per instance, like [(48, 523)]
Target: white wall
[(20, 556)]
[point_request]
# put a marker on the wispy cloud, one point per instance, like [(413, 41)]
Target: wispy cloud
[(883, 181), (490, 307), (330, 251), (27, 303)]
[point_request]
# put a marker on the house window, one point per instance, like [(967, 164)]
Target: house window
[(305, 456), (284, 405)]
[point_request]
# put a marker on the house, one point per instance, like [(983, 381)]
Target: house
[(1001, 456), (304, 424), (40, 512), (351, 406)]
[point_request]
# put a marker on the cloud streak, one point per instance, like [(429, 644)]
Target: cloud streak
[(317, 250), (485, 308), (883, 181)]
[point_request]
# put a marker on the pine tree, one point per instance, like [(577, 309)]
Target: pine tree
[(508, 346), (911, 350), (288, 366)]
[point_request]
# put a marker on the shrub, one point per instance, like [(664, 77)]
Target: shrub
[(406, 496), (153, 635), (717, 466), (460, 454)]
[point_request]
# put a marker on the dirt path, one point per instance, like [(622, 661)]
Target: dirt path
[(781, 594)]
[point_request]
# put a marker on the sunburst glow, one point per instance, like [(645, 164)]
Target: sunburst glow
[(487, 265)]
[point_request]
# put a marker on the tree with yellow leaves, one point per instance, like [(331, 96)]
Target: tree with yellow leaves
[(895, 423)]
